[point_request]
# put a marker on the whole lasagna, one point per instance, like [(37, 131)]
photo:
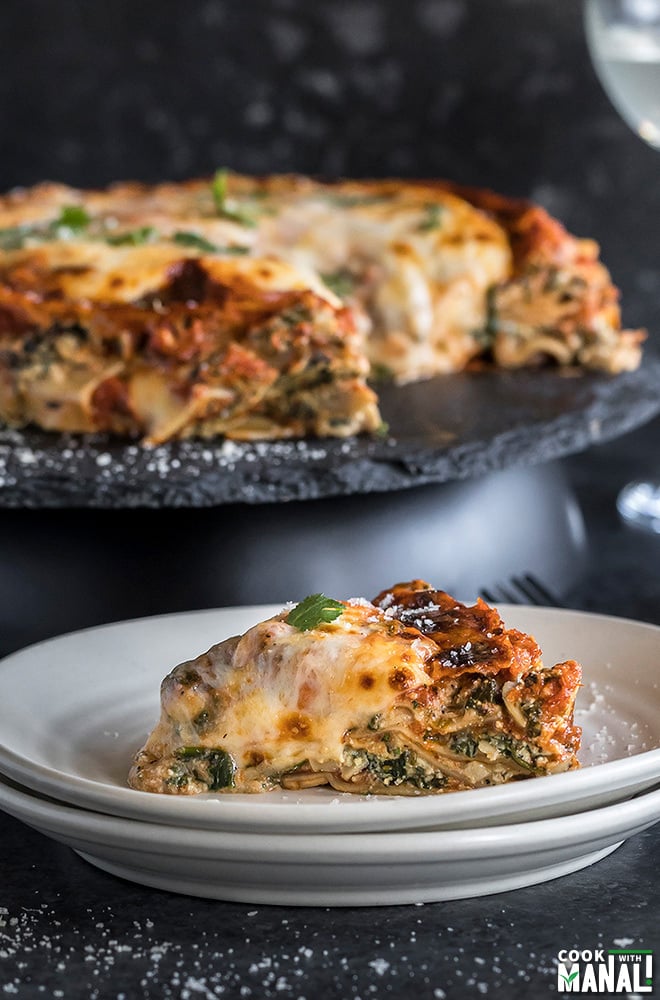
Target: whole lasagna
[(410, 694), (258, 307)]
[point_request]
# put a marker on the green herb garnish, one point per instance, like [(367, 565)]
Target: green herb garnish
[(187, 239), (317, 609), (132, 238), (433, 213), (224, 206), (73, 217), (342, 283), (219, 189)]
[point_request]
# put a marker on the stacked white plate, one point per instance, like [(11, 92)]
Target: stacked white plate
[(74, 710)]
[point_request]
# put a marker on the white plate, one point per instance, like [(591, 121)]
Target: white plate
[(336, 869), (74, 710)]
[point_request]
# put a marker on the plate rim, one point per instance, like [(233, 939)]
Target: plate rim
[(501, 841)]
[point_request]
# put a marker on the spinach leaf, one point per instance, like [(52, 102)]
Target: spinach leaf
[(218, 767)]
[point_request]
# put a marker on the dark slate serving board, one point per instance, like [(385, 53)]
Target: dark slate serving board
[(447, 428)]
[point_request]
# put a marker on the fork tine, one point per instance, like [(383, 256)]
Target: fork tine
[(500, 594), (523, 589), (537, 592), (527, 592), (488, 595)]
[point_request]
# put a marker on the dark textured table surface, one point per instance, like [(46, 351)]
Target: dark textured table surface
[(68, 930)]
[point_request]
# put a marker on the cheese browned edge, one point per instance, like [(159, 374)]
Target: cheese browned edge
[(127, 322), (193, 346), (415, 693)]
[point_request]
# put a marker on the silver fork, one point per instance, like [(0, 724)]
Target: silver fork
[(524, 589)]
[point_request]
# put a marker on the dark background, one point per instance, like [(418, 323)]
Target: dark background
[(498, 93)]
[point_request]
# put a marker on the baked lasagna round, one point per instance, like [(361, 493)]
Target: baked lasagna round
[(258, 307)]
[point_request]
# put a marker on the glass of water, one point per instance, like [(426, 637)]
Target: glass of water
[(624, 41)]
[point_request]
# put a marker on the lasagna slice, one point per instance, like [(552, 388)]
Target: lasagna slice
[(558, 304), (414, 693), (157, 342)]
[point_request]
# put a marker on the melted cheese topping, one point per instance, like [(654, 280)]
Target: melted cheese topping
[(100, 273), (367, 702), (420, 260), (294, 694)]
